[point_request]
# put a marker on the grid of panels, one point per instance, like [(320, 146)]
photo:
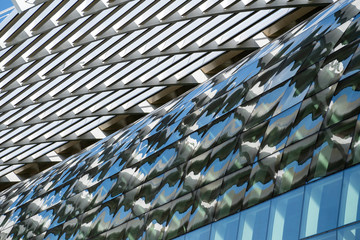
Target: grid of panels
[(299, 214), (69, 67), (283, 117)]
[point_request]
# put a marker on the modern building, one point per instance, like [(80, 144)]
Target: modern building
[(266, 149), (74, 71)]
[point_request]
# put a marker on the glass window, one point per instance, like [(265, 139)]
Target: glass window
[(317, 50), (327, 236), (209, 112), (311, 115), (253, 222), (88, 219), (288, 68), (350, 198), (262, 180), (201, 233), (277, 132), (170, 185), (156, 221), (210, 135), (195, 171), (266, 105), (69, 229), (297, 89), (295, 164), (52, 234), (124, 209), (321, 205), (285, 215), (354, 154), (204, 206), (248, 147), (232, 193), (240, 158), (233, 99), (180, 238), (218, 162), (165, 159), (236, 122), (116, 233), (135, 228), (194, 140), (345, 103), (260, 82), (179, 216), (103, 218), (349, 233), (149, 190), (353, 67), (331, 149), (225, 229)]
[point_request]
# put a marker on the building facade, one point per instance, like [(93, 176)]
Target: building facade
[(74, 71), (266, 149)]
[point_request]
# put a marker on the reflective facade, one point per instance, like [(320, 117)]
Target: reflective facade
[(267, 149), (74, 71), (326, 209)]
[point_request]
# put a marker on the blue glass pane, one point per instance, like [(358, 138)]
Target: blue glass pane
[(285, 215), (201, 233), (253, 222), (349, 233), (180, 238), (350, 199), (321, 205), (225, 229), (326, 236)]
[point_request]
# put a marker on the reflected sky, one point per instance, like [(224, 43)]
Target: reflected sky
[(273, 125), (5, 4)]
